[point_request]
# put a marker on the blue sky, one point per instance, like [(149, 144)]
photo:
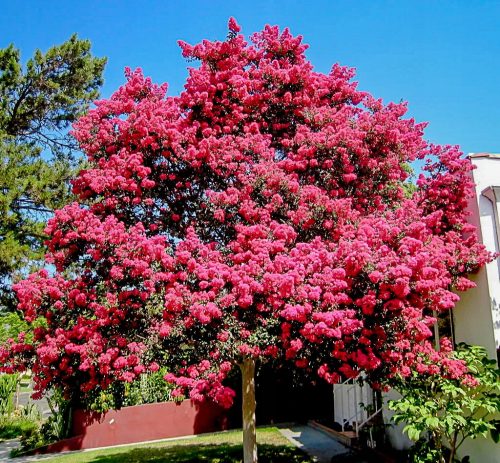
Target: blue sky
[(443, 57)]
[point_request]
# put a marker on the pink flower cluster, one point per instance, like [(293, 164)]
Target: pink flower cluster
[(267, 212), (427, 361)]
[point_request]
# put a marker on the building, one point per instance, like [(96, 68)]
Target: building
[(477, 315), (476, 318)]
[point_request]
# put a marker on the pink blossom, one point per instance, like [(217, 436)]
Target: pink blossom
[(261, 213)]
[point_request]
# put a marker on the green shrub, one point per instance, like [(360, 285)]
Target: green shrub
[(150, 388), (31, 439), (54, 428), (438, 409)]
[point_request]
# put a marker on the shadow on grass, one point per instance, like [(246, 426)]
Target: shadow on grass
[(223, 453)]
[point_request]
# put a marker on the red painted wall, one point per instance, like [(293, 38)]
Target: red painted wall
[(278, 400), (141, 423)]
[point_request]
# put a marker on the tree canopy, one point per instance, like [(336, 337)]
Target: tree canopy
[(260, 216), (38, 102)]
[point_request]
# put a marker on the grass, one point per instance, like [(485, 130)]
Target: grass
[(222, 447)]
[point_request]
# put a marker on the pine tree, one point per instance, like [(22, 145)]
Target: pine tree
[(38, 102)]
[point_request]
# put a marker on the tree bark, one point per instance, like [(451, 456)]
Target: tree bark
[(248, 405), (453, 447)]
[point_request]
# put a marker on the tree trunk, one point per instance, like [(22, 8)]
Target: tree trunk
[(453, 447), (248, 405)]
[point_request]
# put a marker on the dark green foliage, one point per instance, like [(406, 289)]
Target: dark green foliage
[(38, 102), (55, 88)]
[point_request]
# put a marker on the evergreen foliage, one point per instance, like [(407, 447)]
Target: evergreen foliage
[(38, 102)]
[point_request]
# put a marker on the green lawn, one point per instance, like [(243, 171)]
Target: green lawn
[(222, 447)]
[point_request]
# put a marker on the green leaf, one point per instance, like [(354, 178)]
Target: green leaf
[(432, 422), (412, 432)]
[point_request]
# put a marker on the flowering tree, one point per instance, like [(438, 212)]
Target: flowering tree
[(264, 215)]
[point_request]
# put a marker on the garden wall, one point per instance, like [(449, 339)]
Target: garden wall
[(141, 423), (278, 401)]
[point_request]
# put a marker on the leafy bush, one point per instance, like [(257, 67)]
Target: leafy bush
[(150, 388), (437, 408), (23, 423), (154, 388), (41, 433), (31, 438)]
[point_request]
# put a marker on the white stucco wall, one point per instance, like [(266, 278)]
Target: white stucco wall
[(473, 321), (477, 315)]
